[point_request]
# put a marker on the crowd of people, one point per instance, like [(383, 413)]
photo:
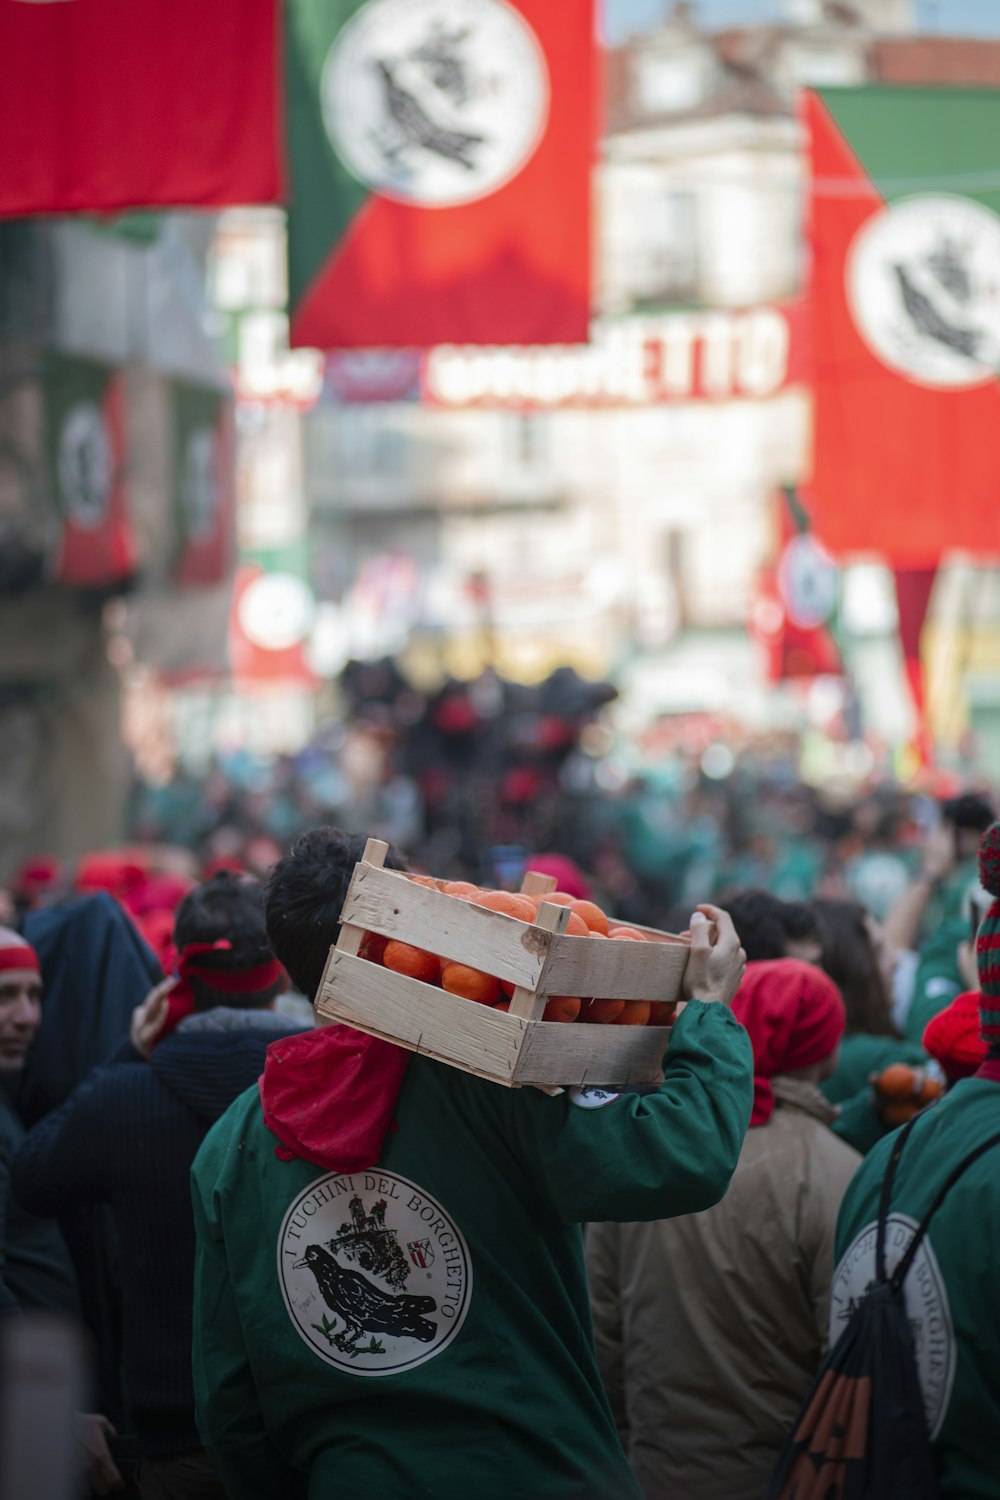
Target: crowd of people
[(309, 1262)]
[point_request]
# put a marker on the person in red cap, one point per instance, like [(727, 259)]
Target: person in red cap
[(711, 1327), (951, 1290), (390, 1289)]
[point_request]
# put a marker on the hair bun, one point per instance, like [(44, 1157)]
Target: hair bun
[(989, 860)]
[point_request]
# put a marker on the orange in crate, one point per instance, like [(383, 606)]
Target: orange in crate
[(471, 984), (404, 958), (634, 1013), (562, 1008), (602, 1012), (507, 902), (592, 914)]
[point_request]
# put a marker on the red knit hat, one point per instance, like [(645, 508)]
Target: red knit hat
[(952, 1037), (988, 940), (795, 1016)]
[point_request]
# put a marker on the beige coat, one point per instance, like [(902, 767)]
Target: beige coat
[(710, 1327)]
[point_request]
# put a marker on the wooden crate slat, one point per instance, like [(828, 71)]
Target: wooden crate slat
[(419, 1016), (581, 1054), (386, 902), (615, 970)]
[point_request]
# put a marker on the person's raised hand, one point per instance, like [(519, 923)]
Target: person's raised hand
[(716, 962), (149, 1017), (93, 1431)]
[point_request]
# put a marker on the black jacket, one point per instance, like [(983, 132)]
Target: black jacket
[(127, 1136)]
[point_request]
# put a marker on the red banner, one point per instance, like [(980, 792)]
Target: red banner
[(85, 414), (115, 104), (907, 462), (461, 154)]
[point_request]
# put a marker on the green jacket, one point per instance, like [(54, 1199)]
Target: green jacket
[(862, 1054), (952, 1291), (423, 1329)]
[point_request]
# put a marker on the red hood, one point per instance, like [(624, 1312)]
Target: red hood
[(329, 1095)]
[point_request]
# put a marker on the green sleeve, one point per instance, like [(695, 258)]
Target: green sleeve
[(858, 1122), (227, 1410), (938, 980), (655, 1154)]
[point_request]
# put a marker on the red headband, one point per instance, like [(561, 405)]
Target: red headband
[(19, 956), (227, 981)]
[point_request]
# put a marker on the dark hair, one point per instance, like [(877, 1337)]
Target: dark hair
[(850, 959), (766, 924), (227, 907), (969, 810), (303, 898)]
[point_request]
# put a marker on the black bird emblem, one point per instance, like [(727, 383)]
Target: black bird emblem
[(929, 320), (417, 125), (365, 1307)]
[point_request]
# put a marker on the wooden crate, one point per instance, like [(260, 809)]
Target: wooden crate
[(514, 1047)]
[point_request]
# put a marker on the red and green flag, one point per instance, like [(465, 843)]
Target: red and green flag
[(85, 425), (202, 483), (905, 295), (441, 155), (111, 104)]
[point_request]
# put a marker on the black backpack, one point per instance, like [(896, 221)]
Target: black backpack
[(861, 1433)]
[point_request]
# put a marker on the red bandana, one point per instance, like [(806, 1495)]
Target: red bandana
[(187, 965), (329, 1095)]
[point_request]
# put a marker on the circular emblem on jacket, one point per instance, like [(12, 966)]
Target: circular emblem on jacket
[(375, 1275), (435, 102), (926, 1300), (923, 290)]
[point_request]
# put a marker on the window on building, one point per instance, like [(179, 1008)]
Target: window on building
[(664, 258)]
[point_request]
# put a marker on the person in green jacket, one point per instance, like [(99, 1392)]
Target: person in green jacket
[(390, 1287), (951, 1291)]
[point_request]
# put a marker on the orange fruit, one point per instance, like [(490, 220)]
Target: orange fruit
[(559, 898), (471, 984), (932, 1088), (898, 1081), (404, 958), (462, 888), (592, 914), (634, 1013), (602, 1011), (562, 1008), (662, 1012), (427, 880), (373, 946), (507, 902), (632, 933), (503, 1005), (576, 926)]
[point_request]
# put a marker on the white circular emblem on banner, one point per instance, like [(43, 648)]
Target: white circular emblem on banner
[(200, 484), (277, 611), (435, 102), (924, 289), (375, 1275), (85, 465), (926, 1301)]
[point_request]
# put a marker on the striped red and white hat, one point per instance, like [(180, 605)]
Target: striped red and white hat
[(988, 939)]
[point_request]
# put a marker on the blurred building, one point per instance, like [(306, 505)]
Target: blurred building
[(107, 491)]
